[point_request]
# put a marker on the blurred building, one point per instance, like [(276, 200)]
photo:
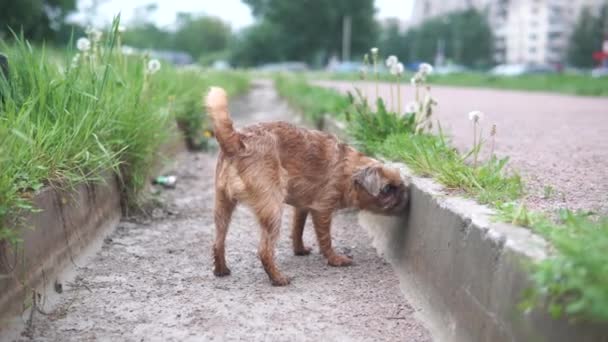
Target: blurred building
[(526, 31)]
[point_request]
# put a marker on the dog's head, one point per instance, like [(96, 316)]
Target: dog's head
[(380, 189)]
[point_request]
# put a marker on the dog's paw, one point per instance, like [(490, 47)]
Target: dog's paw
[(302, 251), (338, 260), (280, 281), (221, 272)]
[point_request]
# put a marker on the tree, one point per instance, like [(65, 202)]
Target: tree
[(37, 19), (466, 34), (256, 45), (199, 35), (587, 37), (393, 41), (311, 30)]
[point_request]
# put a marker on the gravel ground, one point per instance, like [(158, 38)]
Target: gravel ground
[(558, 143), (153, 281)]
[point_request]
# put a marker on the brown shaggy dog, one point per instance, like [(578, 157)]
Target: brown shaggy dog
[(268, 164)]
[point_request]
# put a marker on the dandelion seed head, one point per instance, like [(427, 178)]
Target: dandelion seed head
[(83, 44), (412, 107), (425, 68), (153, 66), (400, 69), (127, 50), (391, 61), (475, 116), (94, 34), (374, 51)]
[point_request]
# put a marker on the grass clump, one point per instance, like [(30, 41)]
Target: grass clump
[(314, 101), (187, 106), (394, 137), (69, 119), (574, 280)]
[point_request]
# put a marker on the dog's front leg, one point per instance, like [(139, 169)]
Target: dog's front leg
[(322, 223)]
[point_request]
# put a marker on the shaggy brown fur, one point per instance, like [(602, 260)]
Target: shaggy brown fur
[(268, 164)]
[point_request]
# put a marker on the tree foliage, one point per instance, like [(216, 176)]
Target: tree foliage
[(466, 35), (587, 37), (198, 35), (309, 30), (37, 19)]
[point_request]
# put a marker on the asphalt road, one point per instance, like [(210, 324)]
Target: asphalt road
[(558, 143)]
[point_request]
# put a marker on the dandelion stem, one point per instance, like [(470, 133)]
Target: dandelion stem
[(377, 80), (392, 99), (474, 143), (399, 95)]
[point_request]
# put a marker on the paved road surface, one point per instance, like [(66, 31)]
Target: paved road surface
[(559, 143), (153, 281)]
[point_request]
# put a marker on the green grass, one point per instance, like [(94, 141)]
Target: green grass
[(386, 134), (572, 281), (557, 83), (316, 101), (61, 125), (186, 100)]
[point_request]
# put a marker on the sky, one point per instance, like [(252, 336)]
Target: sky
[(232, 11)]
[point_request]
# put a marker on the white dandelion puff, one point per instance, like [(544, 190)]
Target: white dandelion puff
[(83, 44), (412, 107), (153, 66), (94, 34), (393, 70), (75, 60), (374, 51), (475, 116), (127, 50), (425, 68), (399, 67), (391, 60)]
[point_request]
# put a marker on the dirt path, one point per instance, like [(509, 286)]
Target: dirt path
[(558, 143), (152, 280)]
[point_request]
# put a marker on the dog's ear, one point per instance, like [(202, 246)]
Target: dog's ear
[(369, 178)]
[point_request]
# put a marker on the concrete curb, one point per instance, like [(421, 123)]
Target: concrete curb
[(68, 221), (466, 272), (68, 225)]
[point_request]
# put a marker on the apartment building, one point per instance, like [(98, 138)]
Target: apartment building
[(526, 31)]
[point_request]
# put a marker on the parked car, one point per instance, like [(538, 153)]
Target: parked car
[(450, 69), (599, 72), (345, 67), (284, 66), (521, 69), (220, 64)]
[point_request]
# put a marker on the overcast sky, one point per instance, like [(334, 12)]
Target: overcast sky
[(232, 11)]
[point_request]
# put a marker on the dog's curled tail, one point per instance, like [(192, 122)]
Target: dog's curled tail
[(217, 107)]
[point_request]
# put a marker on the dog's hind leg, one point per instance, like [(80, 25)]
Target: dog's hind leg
[(269, 216), (322, 223), (224, 206), (299, 220)]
